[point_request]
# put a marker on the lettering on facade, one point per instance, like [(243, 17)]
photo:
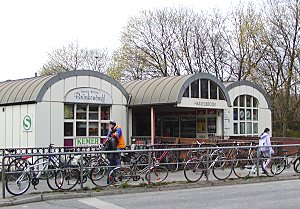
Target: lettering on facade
[(205, 104), (88, 95), (87, 141)]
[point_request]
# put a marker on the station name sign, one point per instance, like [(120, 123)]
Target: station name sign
[(202, 103), (88, 95), (205, 104)]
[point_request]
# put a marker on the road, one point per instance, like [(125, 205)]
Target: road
[(275, 195)]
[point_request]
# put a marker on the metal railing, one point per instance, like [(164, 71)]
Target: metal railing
[(209, 161)]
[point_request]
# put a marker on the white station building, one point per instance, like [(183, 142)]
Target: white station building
[(74, 108)]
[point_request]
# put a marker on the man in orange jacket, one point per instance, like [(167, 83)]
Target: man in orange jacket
[(121, 141)]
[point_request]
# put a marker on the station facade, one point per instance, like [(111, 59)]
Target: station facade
[(74, 108)]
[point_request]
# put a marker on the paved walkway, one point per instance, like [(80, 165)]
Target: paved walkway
[(175, 180)]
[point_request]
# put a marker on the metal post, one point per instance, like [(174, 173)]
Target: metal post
[(257, 160), (207, 164), (149, 165), (81, 171), (3, 176), (152, 125)]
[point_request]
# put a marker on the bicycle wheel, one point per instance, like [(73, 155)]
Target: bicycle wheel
[(45, 167), (172, 162), (142, 162), (99, 174), (297, 165), (222, 168), (18, 164), (157, 174), (54, 179), (271, 170), (278, 165), (67, 179), (193, 170), (242, 167), (17, 183), (119, 176)]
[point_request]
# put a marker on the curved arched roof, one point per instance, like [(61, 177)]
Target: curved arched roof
[(166, 90), (254, 85), (32, 90)]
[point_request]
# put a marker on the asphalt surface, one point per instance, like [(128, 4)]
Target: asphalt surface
[(275, 195)]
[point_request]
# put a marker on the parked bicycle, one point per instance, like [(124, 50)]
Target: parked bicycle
[(201, 164), (286, 161), (122, 174), (58, 174)]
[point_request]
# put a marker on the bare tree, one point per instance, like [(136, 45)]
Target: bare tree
[(74, 57)]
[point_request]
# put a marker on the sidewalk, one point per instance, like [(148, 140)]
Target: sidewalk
[(173, 182)]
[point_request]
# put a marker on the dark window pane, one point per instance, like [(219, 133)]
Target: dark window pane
[(248, 101), (69, 111), (80, 128), (204, 89), (242, 101), (188, 126), (255, 128), (187, 92), (105, 112), (68, 142), (68, 128), (255, 102), (242, 114), (221, 95), (195, 89), (171, 126), (255, 114), (93, 112), (235, 114), (236, 102), (235, 128), (249, 128), (93, 129), (104, 129), (242, 128), (213, 90), (249, 114), (81, 111), (211, 125)]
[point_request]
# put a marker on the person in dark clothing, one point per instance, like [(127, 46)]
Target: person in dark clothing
[(109, 145)]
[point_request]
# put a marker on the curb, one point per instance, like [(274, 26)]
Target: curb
[(114, 191)]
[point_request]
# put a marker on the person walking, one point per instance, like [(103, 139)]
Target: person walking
[(266, 148)]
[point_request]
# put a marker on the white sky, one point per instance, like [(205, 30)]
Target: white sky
[(29, 29)]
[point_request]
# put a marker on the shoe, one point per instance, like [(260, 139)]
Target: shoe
[(264, 171)]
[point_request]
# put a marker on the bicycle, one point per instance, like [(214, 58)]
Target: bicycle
[(201, 164), (243, 158), (282, 163), (18, 182), (252, 168), (122, 174)]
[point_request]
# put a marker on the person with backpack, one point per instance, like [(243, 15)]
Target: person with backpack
[(266, 149)]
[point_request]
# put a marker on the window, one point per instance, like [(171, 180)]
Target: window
[(245, 115), (85, 120), (195, 89), (187, 92), (221, 95), (204, 89), (213, 90), (242, 101), (236, 102)]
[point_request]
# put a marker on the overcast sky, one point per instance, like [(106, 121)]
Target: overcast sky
[(32, 28)]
